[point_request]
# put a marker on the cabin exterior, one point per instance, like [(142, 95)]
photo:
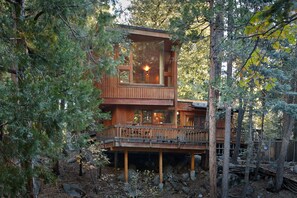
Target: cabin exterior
[(146, 115)]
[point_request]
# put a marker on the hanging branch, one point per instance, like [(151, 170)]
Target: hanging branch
[(250, 55)]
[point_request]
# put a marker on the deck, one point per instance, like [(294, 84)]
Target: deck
[(154, 139)]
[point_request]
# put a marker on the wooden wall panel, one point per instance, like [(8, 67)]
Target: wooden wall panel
[(111, 89)]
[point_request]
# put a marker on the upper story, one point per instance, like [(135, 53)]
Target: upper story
[(148, 74)]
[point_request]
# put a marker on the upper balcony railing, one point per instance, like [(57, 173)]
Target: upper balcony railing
[(111, 89), (154, 134)]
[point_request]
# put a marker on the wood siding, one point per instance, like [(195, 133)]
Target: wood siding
[(111, 89), (185, 135)]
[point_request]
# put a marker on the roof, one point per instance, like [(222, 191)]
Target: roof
[(142, 28), (143, 31), (195, 103)]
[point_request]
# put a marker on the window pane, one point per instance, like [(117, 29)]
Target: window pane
[(137, 117), (147, 117), (162, 117), (189, 120), (124, 76), (148, 62)]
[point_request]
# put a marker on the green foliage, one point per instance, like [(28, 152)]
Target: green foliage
[(193, 71), (153, 13), (56, 48)]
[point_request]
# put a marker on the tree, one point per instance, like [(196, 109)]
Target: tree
[(153, 13), (276, 25), (193, 49), (50, 53), (228, 105)]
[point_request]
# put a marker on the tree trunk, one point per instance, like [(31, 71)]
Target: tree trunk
[(260, 139), (56, 167), (225, 187), (287, 129), (1, 131), (212, 113), (288, 125), (240, 117), (227, 138), (249, 151), (80, 163)]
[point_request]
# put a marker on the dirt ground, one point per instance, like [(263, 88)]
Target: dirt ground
[(109, 186)]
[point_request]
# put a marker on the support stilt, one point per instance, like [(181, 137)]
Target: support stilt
[(126, 165), (161, 169), (192, 172)]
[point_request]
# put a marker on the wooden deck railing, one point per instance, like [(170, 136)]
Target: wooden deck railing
[(151, 133)]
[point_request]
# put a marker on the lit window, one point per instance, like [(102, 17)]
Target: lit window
[(124, 76), (148, 62)]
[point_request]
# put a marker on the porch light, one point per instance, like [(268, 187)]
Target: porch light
[(146, 68)]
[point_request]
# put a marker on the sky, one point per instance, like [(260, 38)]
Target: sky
[(123, 4)]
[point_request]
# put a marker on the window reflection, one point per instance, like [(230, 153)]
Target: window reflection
[(153, 117), (148, 62)]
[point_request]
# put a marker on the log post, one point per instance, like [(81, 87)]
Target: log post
[(192, 162), (192, 172), (161, 169), (126, 165)]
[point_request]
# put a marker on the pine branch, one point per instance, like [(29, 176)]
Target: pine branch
[(11, 1), (11, 71), (250, 55)]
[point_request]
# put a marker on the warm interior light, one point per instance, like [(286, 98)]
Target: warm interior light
[(146, 68)]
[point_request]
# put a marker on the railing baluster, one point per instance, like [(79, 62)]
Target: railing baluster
[(187, 135)]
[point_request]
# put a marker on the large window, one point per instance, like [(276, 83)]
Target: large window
[(148, 62), (153, 117), (145, 65)]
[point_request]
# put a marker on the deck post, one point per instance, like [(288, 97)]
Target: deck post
[(126, 165), (161, 169), (192, 172)]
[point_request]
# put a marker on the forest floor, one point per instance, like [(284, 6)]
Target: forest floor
[(145, 184)]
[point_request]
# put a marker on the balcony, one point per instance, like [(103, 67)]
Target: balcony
[(136, 94), (151, 138)]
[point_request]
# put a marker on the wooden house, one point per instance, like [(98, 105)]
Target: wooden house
[(146, 115)]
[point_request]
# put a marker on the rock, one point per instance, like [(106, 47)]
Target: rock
[(71, 160), (161, 186), (168, 170), (200, 195), (73, 190), (186, 190), (192, 175), (295, 169), (270, 184), (132, 175), (249, 191), (233, 179), (175, 185), (131, 192), (156, 180), (185, 176), (181, 167), (197, 160)]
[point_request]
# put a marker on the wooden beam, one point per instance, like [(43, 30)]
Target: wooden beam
[(174, 69), (126, 166), (150, 34), (130, 101), (161, 166), (192, 162)]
